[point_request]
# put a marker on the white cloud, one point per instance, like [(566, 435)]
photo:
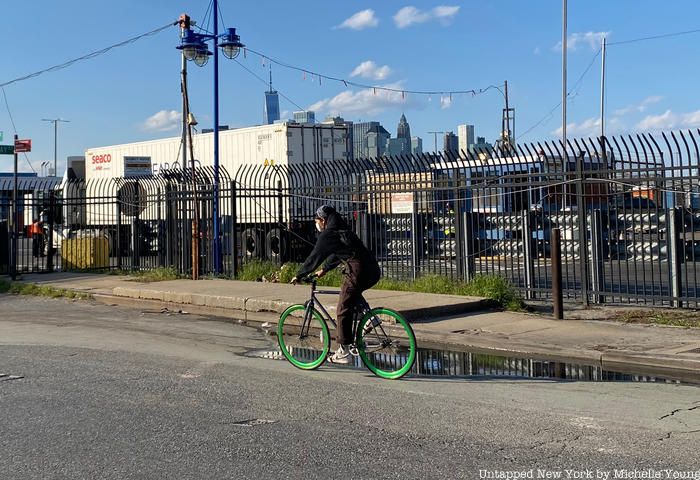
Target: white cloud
[(591, 128), (362, 103), (444, 12), (410, 15), (285, 114), (575, 40), (360, 20), (588, 128), (670, 120), (163, 121), (369, 69), (537, 51), (639, 107)]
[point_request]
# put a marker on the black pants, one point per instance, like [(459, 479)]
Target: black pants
[(359, 276), (37, 245)]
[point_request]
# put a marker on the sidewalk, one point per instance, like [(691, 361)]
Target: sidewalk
[(440, 321)]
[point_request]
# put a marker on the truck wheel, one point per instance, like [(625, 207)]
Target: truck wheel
[(252, 243), (276, 245)]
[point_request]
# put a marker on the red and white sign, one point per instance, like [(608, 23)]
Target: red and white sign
[(402, 203), (23, 146)]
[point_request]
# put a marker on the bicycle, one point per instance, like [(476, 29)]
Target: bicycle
[(384, 340)]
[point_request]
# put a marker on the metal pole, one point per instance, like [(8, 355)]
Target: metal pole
[(563, 75), (602, 105), (15, 219), (55, 148), (557, 295), (217, 245), (602, 90)]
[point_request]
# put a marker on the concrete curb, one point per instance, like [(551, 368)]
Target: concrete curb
[(681, 369), (267, 303)]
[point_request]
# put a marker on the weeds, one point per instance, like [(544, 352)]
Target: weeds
[(19, 288), (155, 275), (493, 287)]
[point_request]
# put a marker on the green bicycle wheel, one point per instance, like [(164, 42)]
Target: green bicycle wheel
[(304, 343), (386, 343)]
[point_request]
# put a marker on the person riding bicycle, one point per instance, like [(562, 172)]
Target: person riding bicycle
[(338, 244)]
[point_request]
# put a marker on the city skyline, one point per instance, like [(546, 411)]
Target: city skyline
[(131, 93)]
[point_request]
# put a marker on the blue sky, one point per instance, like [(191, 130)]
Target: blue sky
[(132, 93)]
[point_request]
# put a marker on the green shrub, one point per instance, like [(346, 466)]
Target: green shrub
[(493, 287)]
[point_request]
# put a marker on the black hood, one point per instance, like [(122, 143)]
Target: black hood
[(336, 222)]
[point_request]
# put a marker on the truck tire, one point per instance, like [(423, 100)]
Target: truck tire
[(252, 243), (276, 245)]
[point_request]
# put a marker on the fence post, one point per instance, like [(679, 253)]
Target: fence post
[(674, 219), (51, 219), (415, 260), (160, 223), (468, 232), (528, 255), (557, 295), (118, 243), (135, 229), (597, 273), (234, 235), (460, 240)]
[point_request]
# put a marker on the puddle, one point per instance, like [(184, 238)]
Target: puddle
[(448, 364)]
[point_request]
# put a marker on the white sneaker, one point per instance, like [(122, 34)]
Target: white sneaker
[(342, 356), (370, 325)]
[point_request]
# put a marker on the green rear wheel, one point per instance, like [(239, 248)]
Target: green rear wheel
[(303, 337), (386, 343)]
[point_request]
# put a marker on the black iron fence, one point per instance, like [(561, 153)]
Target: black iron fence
[(628, 209)]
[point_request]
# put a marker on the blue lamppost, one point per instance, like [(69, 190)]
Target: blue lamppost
[(194, 48)]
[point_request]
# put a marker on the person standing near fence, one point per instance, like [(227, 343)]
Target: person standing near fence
[(36, 232)]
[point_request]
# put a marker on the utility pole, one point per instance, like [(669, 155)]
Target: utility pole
[(507, 124), (563, 76), (55, 141), (436, 134), (602, 103)]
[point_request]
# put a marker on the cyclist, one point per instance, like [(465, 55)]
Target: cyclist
[(337, 244)]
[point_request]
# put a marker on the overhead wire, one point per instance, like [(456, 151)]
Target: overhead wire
[(14, 127), (89, 55)]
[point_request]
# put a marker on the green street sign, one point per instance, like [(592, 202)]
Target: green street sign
[(7, 149)]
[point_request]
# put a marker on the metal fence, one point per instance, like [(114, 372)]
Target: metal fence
[(628, 209)]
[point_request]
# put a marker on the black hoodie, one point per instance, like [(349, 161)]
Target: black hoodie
[(336, 244)]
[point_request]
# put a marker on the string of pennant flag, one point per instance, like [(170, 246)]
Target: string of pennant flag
[(313, 75)]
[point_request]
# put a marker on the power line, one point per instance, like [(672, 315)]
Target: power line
[(14, 128), (569, 94), (265, 82), (88, 56), (655, 37)]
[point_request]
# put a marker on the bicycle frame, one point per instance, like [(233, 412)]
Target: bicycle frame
[(313, 302)]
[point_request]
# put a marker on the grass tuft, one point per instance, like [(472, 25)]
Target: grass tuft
[(155, 275), (493, 287), (20, 288)]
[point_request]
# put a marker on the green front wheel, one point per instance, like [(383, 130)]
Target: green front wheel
[(303, 337), (386, 343)]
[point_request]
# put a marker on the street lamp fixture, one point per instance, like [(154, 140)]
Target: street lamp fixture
[(194, 48), (231, 46)]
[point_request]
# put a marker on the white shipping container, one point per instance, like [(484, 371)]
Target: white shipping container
[(277, 144)]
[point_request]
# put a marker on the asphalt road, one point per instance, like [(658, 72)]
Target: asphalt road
[(109, 392)]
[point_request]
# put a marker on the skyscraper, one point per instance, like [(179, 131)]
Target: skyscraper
[(451, 143), (369, 139), (272, 105), (466, 137), (404, 130), (305, 116)]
